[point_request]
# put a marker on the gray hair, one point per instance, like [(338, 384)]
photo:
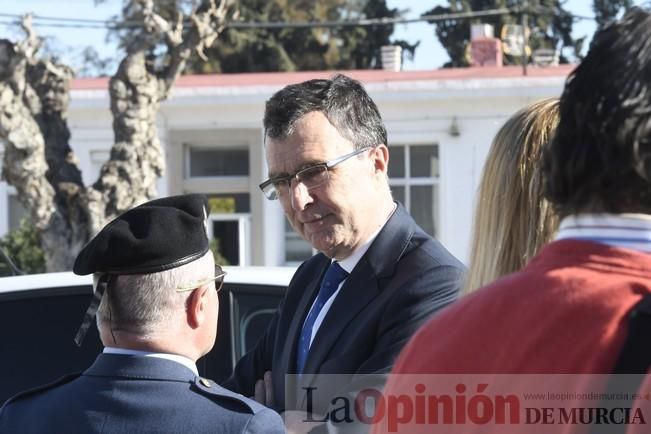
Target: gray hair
[(142, 304)]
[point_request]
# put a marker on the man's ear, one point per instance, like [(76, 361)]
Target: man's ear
[(380, 156), (197, 303)]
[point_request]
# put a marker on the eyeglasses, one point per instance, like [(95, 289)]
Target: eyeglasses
[(218, 278), (311, 177)]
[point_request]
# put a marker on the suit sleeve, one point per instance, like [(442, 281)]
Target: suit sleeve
[(416, 300)]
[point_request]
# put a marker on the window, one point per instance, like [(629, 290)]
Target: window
[(251, 313), (228, 203), (414, 179), (16, 212), (204, 162), (229, 227)]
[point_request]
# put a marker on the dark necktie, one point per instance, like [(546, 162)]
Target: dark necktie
[(333, 277)]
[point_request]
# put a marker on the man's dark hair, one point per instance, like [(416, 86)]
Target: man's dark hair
[(342, 100), (600, 158)]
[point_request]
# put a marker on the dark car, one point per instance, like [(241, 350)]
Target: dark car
[(40, 314)]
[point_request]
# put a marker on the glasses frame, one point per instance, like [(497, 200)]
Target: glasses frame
[(218, 278), (271, 192)]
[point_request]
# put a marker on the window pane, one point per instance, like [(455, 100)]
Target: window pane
[(219, 162), (229, 203), (226, 242), (398, 193), (396, 161), (424, 161), (252, 312), (424, 206), (16, 212), (296, 248)]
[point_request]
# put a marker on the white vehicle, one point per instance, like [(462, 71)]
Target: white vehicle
[(40, 315)]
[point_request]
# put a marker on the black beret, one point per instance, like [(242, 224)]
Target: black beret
[(155, 236)]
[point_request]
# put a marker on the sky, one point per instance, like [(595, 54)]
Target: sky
[(68, 42)]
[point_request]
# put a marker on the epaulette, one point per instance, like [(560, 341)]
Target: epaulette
[(213, 390), (29, 392)]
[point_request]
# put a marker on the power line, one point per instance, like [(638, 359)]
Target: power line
[(61, 22)]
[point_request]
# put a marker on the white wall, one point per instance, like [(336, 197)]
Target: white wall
[(415, 112)]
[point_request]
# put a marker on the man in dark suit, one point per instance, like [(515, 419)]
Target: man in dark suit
[(350, 308), (158, 283)]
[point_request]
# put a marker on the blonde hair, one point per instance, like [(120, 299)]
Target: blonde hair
[(512, 218)]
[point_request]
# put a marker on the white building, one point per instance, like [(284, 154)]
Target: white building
[(440, 125)]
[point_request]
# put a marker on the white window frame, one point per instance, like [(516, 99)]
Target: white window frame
[(243, 236), (408, 181)]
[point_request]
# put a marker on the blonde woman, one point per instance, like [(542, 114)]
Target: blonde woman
[(512, 219)]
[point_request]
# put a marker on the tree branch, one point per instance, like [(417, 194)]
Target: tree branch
[(136, 90), (206, 28)]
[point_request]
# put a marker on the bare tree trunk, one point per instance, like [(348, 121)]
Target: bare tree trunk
[(32, 125), (38, 161)]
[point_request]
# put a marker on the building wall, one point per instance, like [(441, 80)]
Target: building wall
[(417, 112)]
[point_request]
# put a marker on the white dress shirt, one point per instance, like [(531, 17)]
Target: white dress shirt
[(631, 231)]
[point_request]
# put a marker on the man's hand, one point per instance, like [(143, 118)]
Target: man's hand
[(264, 390)]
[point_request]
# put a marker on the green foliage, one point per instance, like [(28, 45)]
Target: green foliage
[(549, 23), (23, 247), (287, 48)]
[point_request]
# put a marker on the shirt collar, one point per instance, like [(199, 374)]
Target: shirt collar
[(188, 363), (632, 231)]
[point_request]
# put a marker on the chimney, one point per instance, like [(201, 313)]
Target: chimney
[(485, 48), (391, 57)]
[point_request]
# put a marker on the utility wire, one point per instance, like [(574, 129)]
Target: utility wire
[(45, 21)]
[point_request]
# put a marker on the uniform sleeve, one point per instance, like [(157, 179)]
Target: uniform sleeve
[(265, 422)]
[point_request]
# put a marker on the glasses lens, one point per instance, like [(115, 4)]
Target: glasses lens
[(270, 192), (313, 176), (272, 189)]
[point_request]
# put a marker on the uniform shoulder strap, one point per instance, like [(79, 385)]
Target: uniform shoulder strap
[(218, 394), (36, 390)]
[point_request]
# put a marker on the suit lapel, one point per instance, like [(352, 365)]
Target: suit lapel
[(362, 286)]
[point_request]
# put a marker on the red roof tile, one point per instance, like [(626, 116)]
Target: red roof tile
[(365, 76)]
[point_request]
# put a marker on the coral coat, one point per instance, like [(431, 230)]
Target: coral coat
[(564, 313)]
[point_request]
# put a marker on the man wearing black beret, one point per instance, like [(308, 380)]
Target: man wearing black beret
[(156, 301)]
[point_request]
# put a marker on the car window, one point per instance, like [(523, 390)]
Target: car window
[(251, 313), (39, 324), (37, 338), (244, 313)]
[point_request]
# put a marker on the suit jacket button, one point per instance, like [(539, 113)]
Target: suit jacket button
[(205, 382)]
